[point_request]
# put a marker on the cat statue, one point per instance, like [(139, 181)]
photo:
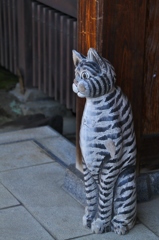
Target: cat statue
[(108, 146)]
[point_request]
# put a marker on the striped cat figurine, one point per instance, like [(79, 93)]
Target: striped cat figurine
[(108, 146)]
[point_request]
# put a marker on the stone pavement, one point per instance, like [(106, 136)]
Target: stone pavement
[(33, 203)]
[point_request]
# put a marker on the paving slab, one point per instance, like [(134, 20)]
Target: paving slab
[(21, 154), (32, 133), (39, 188), (6, 198), (148, 213), (17, 224), (61, 147), (139, 232)]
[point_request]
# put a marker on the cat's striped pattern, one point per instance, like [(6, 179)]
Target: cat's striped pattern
[(108, 146)]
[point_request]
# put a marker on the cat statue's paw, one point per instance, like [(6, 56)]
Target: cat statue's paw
[(120, 229), (98, 226), (87, 221), (88, 218)]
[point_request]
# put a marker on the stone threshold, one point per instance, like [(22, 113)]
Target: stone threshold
[(147, 185)]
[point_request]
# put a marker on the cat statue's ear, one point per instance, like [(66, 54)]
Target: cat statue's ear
[(77, 57), (93, 55)]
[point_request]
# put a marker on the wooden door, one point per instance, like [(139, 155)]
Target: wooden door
[(127, 34)]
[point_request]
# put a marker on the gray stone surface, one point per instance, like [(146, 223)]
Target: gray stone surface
[(35, 101), (74, 184), (148, 213), (139, 232), (46, 210), (29, 95), (69, 125), (147, 185), (32, 133), (40, 190), (143, 188), (21, 154), (49, 108), (154, 182), (61, 147), (6, 198), (17, 224)]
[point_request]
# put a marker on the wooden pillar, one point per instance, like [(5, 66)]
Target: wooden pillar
[(117, 30), (90, 18)]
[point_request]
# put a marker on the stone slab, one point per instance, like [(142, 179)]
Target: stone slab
[(74, 184), (61, 147), (139, 232), (154, 182), (143, 188), (32, 133), (21, 154), (17, 224), (148, 214), (6, 198), (147, 185), (40, 191)]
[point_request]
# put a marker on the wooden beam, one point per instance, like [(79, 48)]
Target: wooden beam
[(90, 22)]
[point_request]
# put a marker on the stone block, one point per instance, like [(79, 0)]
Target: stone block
[(74, 184), (22, 154), (18, 224), (39, 189), (143, 188), (6, 198)]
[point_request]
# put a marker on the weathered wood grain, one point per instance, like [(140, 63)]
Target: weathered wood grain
[(151, 71)]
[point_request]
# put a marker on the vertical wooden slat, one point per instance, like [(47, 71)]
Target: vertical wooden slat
[(5, 19), (62, 86), (40, 53), (10, 35), (35, 43), (69, 75), (74, 47), (25, 40), (50, 51), (45, 49), (15, 36), (1, 35), (56, 54)]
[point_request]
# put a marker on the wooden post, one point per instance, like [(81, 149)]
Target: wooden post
[(117, 30), (25, 40), (90, 18)]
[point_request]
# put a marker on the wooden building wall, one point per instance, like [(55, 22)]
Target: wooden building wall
[(126, 32)]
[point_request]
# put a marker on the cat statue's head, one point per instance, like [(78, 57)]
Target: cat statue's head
[(94, 75)]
